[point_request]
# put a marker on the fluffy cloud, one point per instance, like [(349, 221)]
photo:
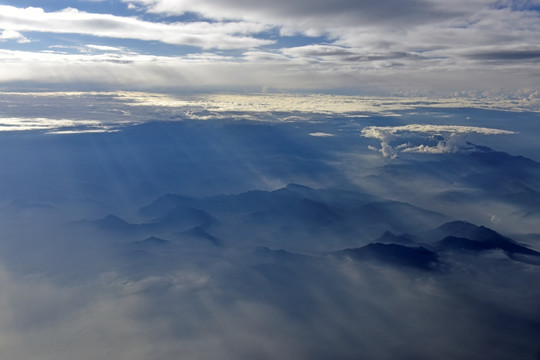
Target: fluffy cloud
[(218, 35), (412, 24), (13, 35), (446, 138)]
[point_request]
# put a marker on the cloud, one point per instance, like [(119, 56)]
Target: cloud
[(20, 124), (447, 138), (206, 35), (374, 26), (313, 17), (317, 51), (361, 46), (276, 310), (113, 110), (13, 35), (505, 54), (104, 48), (321, 134)]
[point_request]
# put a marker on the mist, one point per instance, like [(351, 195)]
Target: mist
[(244, 237)]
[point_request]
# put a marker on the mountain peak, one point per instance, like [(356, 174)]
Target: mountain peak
[(394, 254), (390, 237), (153, 240), (458, 226), (297, 187)]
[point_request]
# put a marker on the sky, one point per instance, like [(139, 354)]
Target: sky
[(353, 47)]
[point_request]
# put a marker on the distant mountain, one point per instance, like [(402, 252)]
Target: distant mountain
[(182, 217), (301, 211), (479, 174), (458, 243), (454, 228), (116, 224), (461, 235), (266, 254), (163, 205), (389, 238), (153, 241), (198, 232), (491, 158), (393, 254), (294, 209)]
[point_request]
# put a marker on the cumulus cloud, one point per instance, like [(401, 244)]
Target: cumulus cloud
[(447, 138), (13, 35)]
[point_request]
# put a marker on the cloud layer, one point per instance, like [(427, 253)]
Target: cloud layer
[(362, 46), (61, 111)]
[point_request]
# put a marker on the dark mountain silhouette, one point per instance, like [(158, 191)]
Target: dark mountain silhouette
[(485, 173), (461, 235), (198, 232), (179, 219), (183, 217), (266, 254), (294, 209), (301, 210), (393, 254), (454, 228), (153, 241), (116, 224), (390, 238)]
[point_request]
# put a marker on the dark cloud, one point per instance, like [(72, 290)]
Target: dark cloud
[(339, 12), (392, 55), (505, 55)]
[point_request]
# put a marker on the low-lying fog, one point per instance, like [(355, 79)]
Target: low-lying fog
[(411, 237)]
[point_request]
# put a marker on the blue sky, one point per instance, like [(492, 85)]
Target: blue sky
[(363, 47)]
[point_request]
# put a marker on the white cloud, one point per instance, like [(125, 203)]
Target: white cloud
[(370, 46), (448, 138), (13, 35), (321, 134), (37, 123), (124, 108), (315, 17), (218, 35), (415, 43), (104, 48), (494, 219)]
